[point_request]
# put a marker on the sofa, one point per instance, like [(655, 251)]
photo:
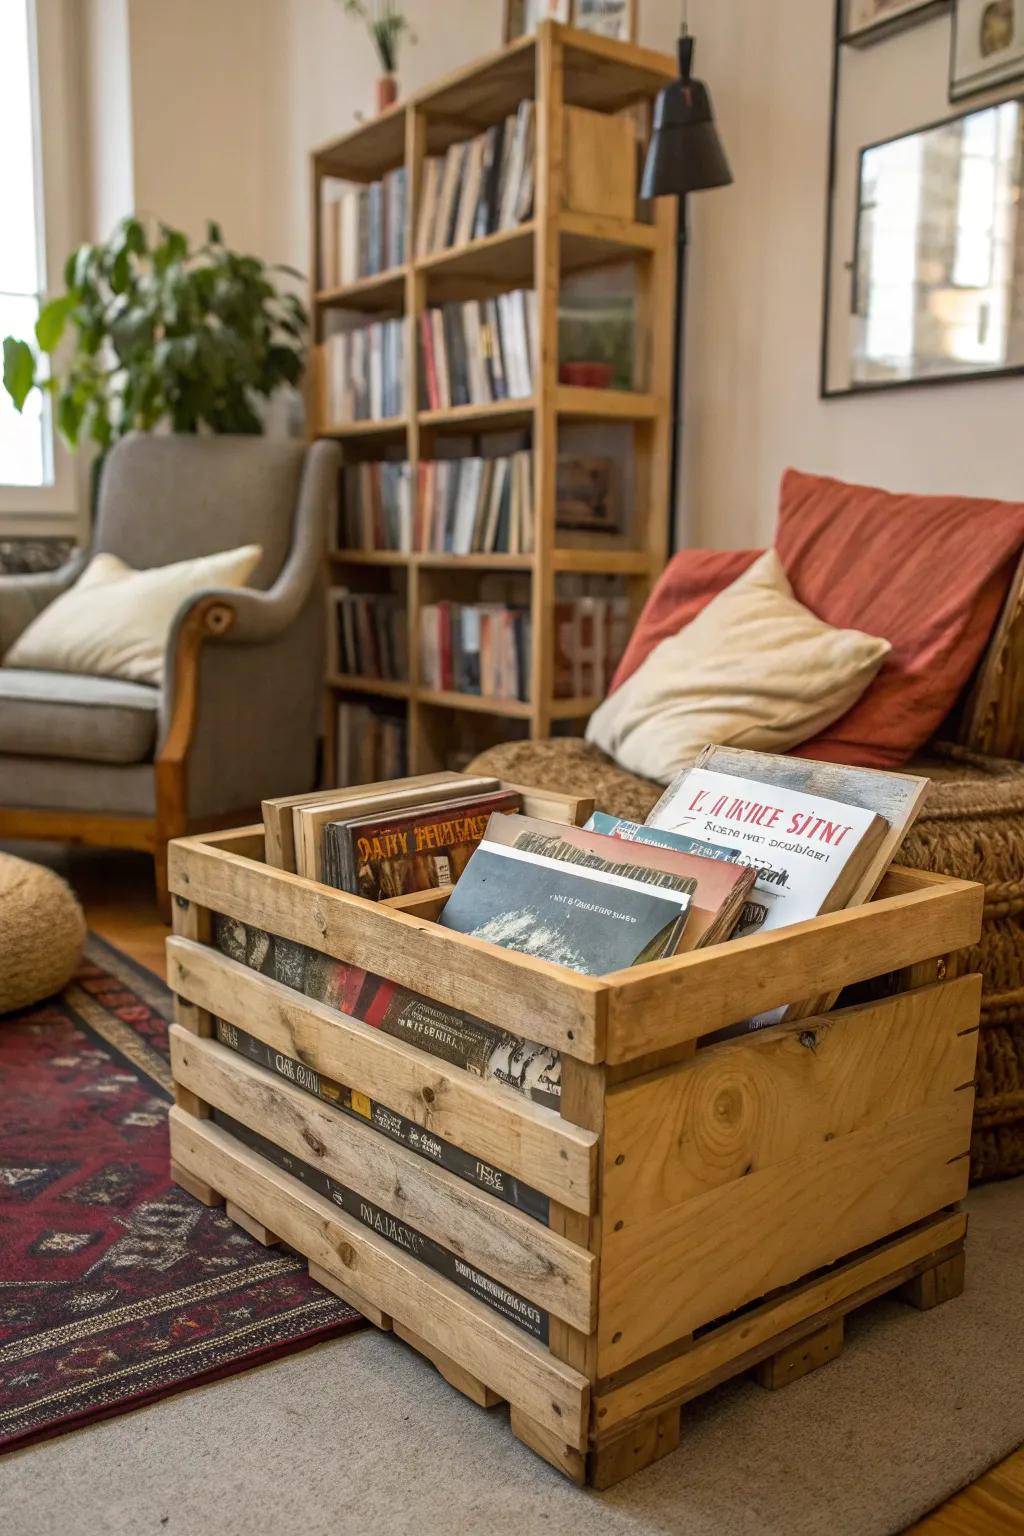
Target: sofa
[(971, 826)]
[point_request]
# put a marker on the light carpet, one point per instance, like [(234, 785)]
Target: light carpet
[(363, 1436)]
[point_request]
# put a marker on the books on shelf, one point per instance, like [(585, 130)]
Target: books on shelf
[(460, 1039), (590, 903), (479, 186), (476, 505), (375, 507), (369, 744), (363, 373), (591, 634), (369, 635), (476, 648), (362, 229), (479, 352)]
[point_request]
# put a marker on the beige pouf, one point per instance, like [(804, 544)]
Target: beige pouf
[(42, 930)]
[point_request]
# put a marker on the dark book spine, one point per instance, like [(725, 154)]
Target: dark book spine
[(524, 1314), (391, 1124), (455, 345)]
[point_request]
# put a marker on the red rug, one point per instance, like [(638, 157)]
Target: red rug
[(116, 1287)]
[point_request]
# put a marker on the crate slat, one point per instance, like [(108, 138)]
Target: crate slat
[(672, 1001), (759, 1100), (503, 1242), (494, 1123), (702, 1364), (666, 1275), (565, 1011), (513, 1365)]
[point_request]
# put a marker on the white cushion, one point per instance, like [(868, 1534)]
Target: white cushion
[(115, 621), (755, 669)]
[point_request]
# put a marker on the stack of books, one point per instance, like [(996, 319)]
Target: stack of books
[(478, 352), (476, 506), (479, 186), (479, 648), (375, 510), (363, 229), (363, 373), (369, 745), (369, 635)]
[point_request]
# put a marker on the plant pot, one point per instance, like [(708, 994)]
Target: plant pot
[(387, 92)]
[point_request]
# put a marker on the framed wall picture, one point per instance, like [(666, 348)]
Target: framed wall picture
[(988, 45), (609, 18), (522, 16), (868, 21)]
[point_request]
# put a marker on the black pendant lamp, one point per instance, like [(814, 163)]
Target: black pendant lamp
[(685, 155), (685, 152)]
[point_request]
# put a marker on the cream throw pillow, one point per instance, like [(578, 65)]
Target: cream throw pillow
[(755, 669), (115, 621)]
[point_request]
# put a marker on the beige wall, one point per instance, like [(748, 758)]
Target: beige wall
[(227, 97), (755, 305)]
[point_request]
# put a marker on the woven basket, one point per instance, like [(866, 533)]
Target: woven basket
[(972, 826)]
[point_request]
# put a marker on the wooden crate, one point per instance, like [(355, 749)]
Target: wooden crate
[(710, 1212)]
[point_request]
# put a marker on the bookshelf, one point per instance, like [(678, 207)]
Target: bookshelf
[(585, 89)]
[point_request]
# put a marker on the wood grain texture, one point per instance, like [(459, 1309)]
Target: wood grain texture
[(567, 1459), (671, 1001), (612, 1461), (492, 1122), (993, 1506), (470, 1386), (799, 1359), (517, 1367), (743, 1106), (349, 1294), (249, 1224), (671, 1273), (741, 1343), (506, 1244), (565, 1010)]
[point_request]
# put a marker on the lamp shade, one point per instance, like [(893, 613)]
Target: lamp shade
[(685, 153)]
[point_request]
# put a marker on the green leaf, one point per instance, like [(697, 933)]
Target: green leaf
[(134, 237), (19, 370), (121, 271), (69, 419), (213, 234), (52, 320)]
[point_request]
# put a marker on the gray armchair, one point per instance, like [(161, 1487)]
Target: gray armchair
[(112, 763)]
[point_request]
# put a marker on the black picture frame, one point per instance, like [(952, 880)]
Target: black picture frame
[(889, 26), (861, 391), (977, 87)]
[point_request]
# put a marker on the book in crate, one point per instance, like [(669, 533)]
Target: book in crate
[(481, 185), (363, 230)]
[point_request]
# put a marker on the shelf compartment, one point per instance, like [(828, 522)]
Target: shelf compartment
[(605, 404), (606, 562), (505, 256), (388, 426), (502, 412), (475, 703), (572, 709), (381, 291), (383, 687)]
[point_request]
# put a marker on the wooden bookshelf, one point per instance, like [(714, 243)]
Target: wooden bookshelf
[(559, 69)]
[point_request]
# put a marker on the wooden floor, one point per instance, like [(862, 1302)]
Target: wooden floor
[(116, 890)]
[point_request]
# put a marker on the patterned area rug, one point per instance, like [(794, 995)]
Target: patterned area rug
[(116, 1287)]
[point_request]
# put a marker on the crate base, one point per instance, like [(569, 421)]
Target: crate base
[(922, 1275)]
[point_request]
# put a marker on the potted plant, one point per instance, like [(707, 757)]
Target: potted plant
[(386, 26), (164, 335)]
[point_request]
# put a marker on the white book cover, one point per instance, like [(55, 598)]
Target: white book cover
[(799, 843)]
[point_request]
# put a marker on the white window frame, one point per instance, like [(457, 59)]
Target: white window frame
[(51, 510)]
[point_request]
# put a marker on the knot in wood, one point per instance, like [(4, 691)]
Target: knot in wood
[(728, 1106), (313, 1142), (808, 1039), (427, 1095), (346, 1253)]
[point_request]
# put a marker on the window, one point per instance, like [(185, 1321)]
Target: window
[(24, 456), (36, 475)]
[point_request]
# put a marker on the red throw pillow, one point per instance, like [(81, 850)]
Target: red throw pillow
[(928, 573), (685, 586)]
